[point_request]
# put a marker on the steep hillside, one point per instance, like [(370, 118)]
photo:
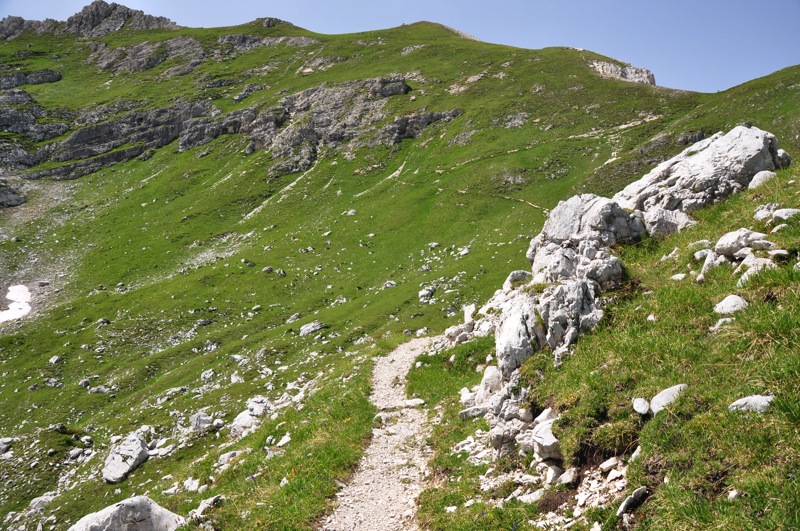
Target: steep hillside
[(234, 220)]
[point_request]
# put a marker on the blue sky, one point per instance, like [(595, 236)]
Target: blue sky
[(703, 45)]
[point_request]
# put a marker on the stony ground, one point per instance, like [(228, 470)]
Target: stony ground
[(382, 493)]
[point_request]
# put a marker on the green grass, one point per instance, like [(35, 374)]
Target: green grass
[(173, 231), (702, 449)]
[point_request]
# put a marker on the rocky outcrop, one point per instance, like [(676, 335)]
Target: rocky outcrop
[(572, 263), (95, 20), (625, 72), (10, 197), (36, 77), (705, 172), (139, 513), (146, 55), (20, 114)]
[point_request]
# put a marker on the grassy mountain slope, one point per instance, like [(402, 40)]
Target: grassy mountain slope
[(171, 249)]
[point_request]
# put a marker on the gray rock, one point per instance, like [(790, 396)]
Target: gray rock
[(705, 173), (139, 513), (641, 406), (5, 444), (587, 217), (38, 504), (311, 328), (426, 293), (666, 397), (517, 278), (764, 212), (200, 422), (568, 309), (200, 514), (545, 444), (624, 72), (533, 497), (491, 382), (785, 214), (754, 403), (732, 242), (125, 457), (473, 412), (514, 342), (662, 222), (730, 304), (569, 477), (242, 424), (633, 501), (760, 178)]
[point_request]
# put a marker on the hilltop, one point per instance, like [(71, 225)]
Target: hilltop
[(221, 229)]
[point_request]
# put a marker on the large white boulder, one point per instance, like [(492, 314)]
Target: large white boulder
[(705, 172), (139, 513), (125, 457)]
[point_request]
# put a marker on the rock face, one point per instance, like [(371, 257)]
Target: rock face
[(139, 513), (146, 55), (36, 77), (10, 197), (294, 131), (125, 457), (630, 73)]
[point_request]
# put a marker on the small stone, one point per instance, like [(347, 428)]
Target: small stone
[(641, 406), (754, 403), (569, 477), (633, 501), (414, 402), (666, 397), (730, 304), (608, 464)]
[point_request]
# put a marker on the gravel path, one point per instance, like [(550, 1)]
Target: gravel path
[(382, 494)]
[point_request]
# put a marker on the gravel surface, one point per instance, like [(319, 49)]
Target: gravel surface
[(382, 494)]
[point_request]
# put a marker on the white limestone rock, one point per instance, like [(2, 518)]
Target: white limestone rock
[(704, 173), (516, 333), (641, 406), (125, 457), (587, 217), (311, 328), (568, 309), (666, 397), (545, 444), (515, 279), (491, 383), (624, 72), (731, 243), (785, 214), (754, 403), (760, 178), (200, 422), (663, 222), (139, 513), (730, 304)]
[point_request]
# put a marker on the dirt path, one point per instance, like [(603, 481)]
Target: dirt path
[(382, 494)]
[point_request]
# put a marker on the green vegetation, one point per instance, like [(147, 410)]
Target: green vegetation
[(702, 449), (172, 252)]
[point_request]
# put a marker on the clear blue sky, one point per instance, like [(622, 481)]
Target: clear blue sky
[(703, 45)]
